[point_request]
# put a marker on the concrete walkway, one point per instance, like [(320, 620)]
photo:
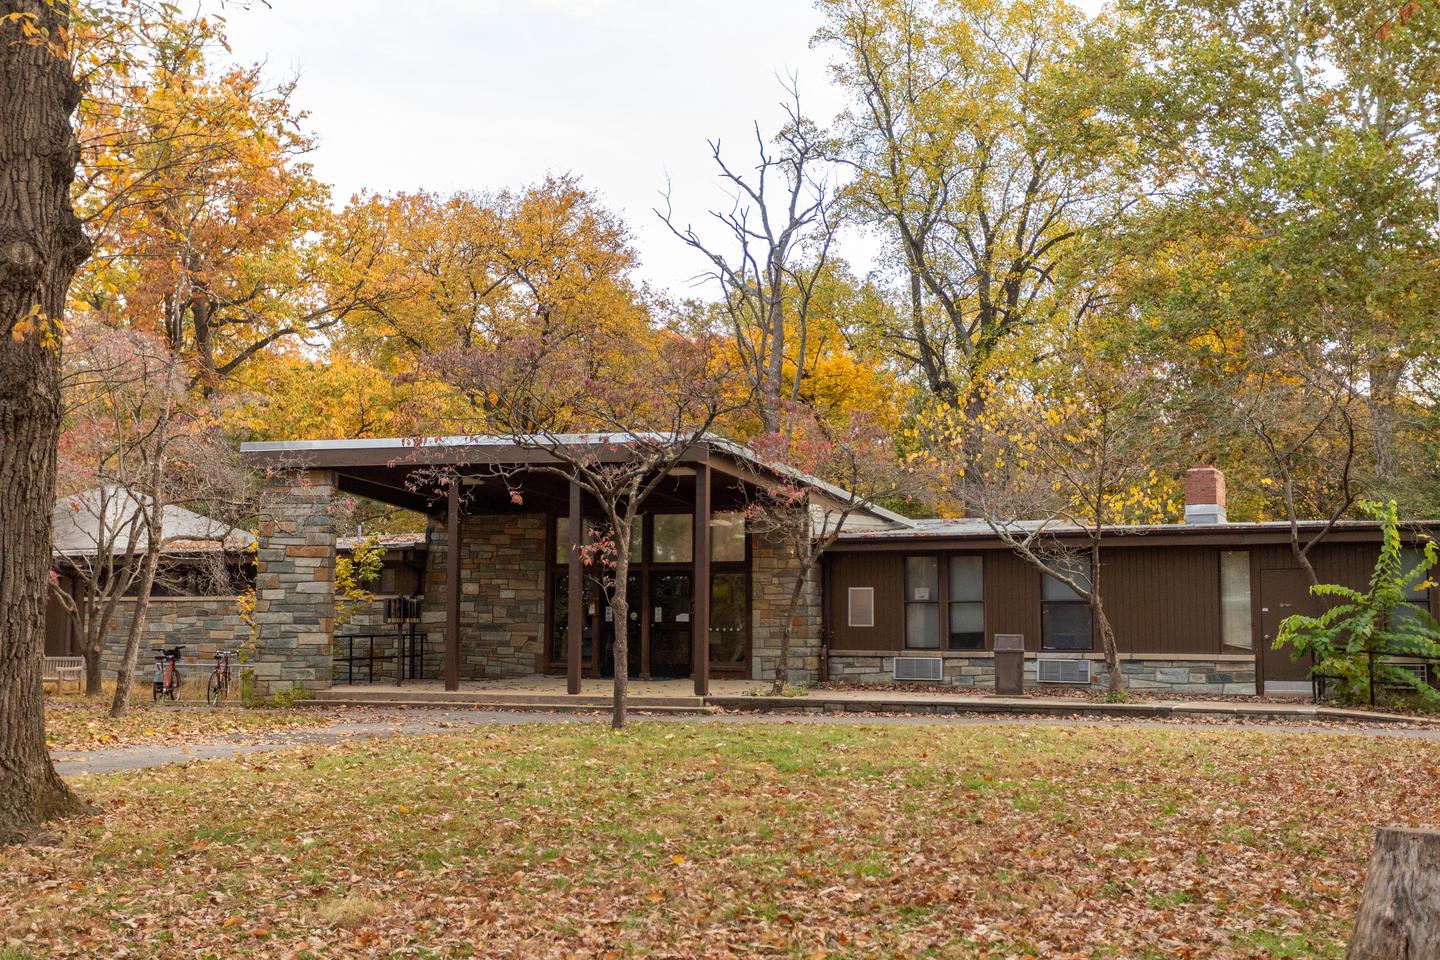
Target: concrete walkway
[(677, 696), (443, 721)]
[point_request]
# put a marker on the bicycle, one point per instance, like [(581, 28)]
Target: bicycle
[(168, 677), (218, 688)]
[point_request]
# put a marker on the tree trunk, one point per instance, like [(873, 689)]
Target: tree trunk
[(125, 677), (620, 605), (91, 654), (782, 668), (41, 244), (1399, 917)]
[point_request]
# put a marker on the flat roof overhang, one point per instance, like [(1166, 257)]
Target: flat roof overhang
[(1160, 535)]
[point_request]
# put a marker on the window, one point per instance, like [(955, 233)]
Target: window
[(922, 602), (1065, 622), (562, 538), (727, 538), (1235, 623), (1417, 596), (861, 607), (674, 538), (967, 603), (728, 606)]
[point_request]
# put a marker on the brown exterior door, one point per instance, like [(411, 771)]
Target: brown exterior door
[(1283, 593)]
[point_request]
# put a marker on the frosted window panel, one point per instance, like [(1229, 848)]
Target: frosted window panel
[(967, 579), (1235, 624), (922, 625)]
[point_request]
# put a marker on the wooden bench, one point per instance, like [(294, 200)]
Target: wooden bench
[(61, 670)]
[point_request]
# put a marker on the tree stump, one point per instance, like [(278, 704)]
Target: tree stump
[(1399, 917)]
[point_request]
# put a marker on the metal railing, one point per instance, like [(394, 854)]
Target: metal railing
[(1428, 669), (406, 651)]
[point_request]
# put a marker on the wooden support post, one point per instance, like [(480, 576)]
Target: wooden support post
[(452, 588), (1399, 914), (700, 658), (575, 604)]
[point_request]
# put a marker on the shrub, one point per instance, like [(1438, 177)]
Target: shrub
[(1364, 628)]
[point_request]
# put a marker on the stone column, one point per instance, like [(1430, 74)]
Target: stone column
[(295, 587), (772, 577)]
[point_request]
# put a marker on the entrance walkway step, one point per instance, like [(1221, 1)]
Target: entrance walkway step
[(585, 705), (520, 699)]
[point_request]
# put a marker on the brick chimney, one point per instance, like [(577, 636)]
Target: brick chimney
[(1204, 495)]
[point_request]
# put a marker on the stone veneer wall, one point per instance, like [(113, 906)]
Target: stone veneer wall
[(771, 580), (201, 625), (502, 594), (295, 589), (1198, 675)]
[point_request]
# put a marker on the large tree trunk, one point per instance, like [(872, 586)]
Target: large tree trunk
[(1399, 917), (41, 244)]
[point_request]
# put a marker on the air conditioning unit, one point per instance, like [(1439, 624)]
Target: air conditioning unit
[(1055, 670), (919, 668)]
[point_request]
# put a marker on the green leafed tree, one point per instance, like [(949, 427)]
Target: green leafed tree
[(1356, 638)]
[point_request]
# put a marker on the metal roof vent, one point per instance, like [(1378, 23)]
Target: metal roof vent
[(1055, 670), (919, 668)]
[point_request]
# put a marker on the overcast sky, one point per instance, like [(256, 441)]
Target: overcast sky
[(481, 94)]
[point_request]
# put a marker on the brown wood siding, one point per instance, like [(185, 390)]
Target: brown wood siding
[(884, 572), (1163, 600), (1012, 598)]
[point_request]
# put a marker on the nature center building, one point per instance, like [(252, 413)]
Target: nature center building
[(1194, 605)]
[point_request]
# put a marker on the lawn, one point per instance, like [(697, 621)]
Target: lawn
[(78, 723), (708, 839)]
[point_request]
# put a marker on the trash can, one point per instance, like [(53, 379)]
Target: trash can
[(1010, 664)]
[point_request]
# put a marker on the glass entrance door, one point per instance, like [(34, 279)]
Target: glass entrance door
[(607, 616), (670, 630)]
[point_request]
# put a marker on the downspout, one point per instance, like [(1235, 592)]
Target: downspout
[(825, 619)]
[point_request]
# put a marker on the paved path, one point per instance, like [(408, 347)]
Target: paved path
[(139, 757)]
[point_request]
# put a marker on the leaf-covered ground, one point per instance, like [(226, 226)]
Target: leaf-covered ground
[(76, 723), (685, 840)]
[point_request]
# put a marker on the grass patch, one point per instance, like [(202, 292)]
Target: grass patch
[(702, 839)]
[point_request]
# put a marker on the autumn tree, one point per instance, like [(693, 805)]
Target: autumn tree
[(41, 246), (768, 251), (1077, 449), (1297, 147), (484, 266), (137, 444), (968, 157), (832, 468), (211, 228), (610, 416)]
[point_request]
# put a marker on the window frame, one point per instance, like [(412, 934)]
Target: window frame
[(1080, 602), (850, 593), (1249, 646), (947, 629), (938, 601)]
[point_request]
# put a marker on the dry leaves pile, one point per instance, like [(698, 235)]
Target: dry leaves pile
[(709, 840), (77, 724)]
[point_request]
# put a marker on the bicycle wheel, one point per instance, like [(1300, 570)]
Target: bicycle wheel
[(155, 692), (214, 690), (175, 681)]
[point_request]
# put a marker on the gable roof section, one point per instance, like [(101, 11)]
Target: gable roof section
[(479, 448), (82, 522)]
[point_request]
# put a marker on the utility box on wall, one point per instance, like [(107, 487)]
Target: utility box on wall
[(1010, 664)]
